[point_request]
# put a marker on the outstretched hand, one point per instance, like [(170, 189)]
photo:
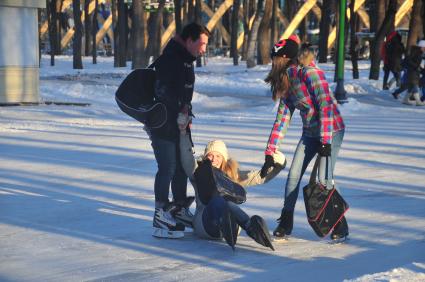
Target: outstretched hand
[(268, 163)]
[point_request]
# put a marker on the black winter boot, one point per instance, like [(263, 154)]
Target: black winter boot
[(340, 231), (286, 223)]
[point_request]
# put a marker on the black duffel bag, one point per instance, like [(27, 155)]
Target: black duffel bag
[(211, 181), (324, 207), (136, 97)]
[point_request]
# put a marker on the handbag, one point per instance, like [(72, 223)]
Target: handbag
[(324, 207)]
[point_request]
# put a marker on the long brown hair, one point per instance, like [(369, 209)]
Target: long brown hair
[(278, 78)]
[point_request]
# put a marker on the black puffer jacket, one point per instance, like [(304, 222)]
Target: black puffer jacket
[(175, 79)]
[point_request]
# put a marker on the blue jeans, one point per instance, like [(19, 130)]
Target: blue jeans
[(170, 170), (306, 150), (214, 211)]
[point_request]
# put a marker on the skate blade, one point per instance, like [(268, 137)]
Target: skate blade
[(164, 233), (280, 239), (185, 222), (267, 240), (339, 241)]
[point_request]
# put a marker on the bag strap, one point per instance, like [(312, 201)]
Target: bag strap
[(314, 171), (320, 164), (151, 66)]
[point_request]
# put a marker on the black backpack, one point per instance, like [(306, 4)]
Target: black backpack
[(136, 97)]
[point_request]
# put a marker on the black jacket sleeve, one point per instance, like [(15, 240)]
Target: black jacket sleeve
[(170, 85), (205, 181)]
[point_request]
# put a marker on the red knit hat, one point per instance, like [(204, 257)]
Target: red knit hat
[(287, 48)]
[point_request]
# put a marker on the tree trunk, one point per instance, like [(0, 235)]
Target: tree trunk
[(154, 30), (423, 21), (264, 35), (51, 27), (371, 11), (253, 35), (190, 12), (138, 35), (128, 49), (245, 20), (57, 30), (353, 41), (274, 29), (177, 16), (290, 9), (234, 37), (302, 29), (157, 48), (198, 11), (325, 23), (86, 28), (415, 24), (185, 11), (375, 56), (122, 34), (94, 31), (380, 13), (115, 30), (77, 62)]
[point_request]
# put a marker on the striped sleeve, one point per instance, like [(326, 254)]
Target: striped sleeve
[(318, 87), (280, 126)]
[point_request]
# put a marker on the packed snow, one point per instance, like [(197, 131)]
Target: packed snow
[(76, 184)]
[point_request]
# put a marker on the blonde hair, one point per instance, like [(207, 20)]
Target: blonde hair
[(230, 167), (278, 78), (305, 57)]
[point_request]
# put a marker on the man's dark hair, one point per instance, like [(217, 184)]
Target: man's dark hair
[(194, 31)]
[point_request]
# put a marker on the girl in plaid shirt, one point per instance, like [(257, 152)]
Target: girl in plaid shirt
[(304, 88)]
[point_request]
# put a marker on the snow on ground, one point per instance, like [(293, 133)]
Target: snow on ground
[(76, 185)]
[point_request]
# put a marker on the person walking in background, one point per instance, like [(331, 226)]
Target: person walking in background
[(413, 67), (175, 80), (421, 44), (304, 88), (392, 52), (211, 208)]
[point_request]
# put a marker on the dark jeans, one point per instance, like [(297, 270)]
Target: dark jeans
[(170, 170), (214, 211), (396, 76)]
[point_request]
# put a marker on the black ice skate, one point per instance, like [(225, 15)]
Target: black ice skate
[(258, 230)]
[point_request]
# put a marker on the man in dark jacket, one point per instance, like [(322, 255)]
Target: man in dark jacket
[(175, 79)]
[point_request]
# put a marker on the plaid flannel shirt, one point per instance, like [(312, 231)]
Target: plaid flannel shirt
[(309, 93)]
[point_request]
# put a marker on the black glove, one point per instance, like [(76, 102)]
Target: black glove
[(268, 163), (325, 150)]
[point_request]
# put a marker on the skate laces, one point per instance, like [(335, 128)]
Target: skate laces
[(186, 212), (165, 216)]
